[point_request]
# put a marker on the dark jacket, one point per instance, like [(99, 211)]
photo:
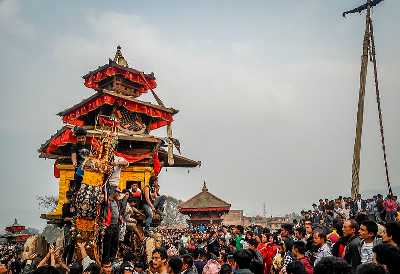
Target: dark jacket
[(243, 271), (199, 264), (352, 253), (354, 207)]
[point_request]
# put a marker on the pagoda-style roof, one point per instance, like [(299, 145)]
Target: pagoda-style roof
[(161, 116), (119, 66), (204, 201), (56, 146), (65, 136)]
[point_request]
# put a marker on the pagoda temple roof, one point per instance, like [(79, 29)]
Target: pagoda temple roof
[(95, 133), (119, 66), (112, 63), (104, 91), (161, 116), (62, 137), (204, 201)]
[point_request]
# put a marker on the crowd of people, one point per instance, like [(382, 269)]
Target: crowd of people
[(9, 253), (339, 236)]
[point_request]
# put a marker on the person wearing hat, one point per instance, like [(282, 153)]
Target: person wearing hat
[(79, 151)]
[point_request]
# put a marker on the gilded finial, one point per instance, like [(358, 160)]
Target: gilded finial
[(119, 59), (205, 186)]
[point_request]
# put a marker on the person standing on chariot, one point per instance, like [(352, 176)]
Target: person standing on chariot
[(117, 164), (112, 220), (67, 218), (79, 151), (153, 202)]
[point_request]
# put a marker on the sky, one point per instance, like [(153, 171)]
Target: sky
[(267, 93)]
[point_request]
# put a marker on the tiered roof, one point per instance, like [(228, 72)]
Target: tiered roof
[(117, 88), (204, 201), (119, 67)]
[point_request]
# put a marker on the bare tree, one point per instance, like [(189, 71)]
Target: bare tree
[(172, 216), (47, 202)]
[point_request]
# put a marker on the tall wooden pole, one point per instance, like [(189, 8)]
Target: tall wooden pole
[(355, 176)]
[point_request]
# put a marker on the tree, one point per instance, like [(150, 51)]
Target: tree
[(47, 202), (172, 216)]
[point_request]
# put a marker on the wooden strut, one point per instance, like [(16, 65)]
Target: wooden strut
[(368, 50), (169, 126)]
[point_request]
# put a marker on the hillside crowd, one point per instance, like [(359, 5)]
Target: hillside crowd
[(337, 236)]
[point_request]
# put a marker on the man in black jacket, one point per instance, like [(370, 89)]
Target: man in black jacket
[(352, 249)]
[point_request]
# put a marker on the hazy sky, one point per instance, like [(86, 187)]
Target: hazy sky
[(267, 93)]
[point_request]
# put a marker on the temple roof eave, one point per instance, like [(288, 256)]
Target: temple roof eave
[(204, 200), (179, 160), (104, 91), (205, 209), (112, 63), (92, 132)]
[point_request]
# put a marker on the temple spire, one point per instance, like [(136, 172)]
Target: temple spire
[(119, 59), (204, 187)]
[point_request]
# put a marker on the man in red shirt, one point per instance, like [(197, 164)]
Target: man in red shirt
[(298, 251), (135, 194)]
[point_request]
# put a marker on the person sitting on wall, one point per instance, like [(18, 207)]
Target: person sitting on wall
[(152, 201), (129, 218)]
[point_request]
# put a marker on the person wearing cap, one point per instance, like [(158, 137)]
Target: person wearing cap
[(79, 151)]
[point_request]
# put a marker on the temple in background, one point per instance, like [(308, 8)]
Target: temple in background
[(17, 233), (204, 208), (207, 209)]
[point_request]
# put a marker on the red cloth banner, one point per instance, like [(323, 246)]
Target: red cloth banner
[(132, 158), (93, 80), (165, 118), (156, 164), (56, 169)]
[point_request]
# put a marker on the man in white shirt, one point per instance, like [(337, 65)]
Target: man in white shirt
[(118, 163), (368, 231), (323, 248)]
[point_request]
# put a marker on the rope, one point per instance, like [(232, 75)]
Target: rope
[(355, 178), (378, 101), (368, 51)]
